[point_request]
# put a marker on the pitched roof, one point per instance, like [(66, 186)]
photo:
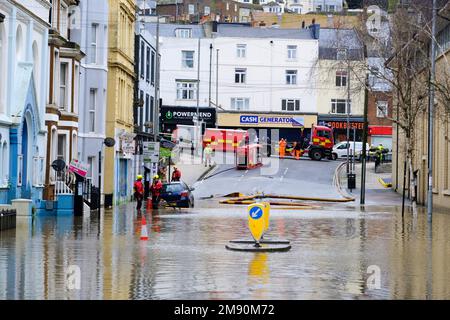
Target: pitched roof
[(240, 31)]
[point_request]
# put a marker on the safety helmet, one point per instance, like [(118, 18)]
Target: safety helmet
[(139, 177), (156, 177)]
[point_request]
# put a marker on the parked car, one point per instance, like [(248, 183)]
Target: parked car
[(340, 149), (177, 194)]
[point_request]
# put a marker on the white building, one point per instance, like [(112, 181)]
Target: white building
[(260, 71), (305, 6), (23, 89), (93, 40), (145, 89)]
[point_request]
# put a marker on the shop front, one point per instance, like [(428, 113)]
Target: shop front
[(339, 125), (292, 127), (173, 115), (381, 135)]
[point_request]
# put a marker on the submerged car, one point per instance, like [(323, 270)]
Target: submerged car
[(177, 194)]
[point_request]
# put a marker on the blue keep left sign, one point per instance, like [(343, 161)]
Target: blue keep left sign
[(256, 213)]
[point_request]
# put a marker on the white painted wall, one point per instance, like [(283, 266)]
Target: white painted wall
[(266, 65)]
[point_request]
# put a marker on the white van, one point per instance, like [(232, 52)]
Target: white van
[(340, 149)]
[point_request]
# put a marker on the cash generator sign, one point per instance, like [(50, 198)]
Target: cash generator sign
[(253, 119)]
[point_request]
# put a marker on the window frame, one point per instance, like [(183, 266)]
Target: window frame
[(92, 109), (241, 50), (286, 102), (184, 33), (186, 87), (291, 77), (292, 51), (147, 65), (240, 75), (94, 42), (63, 100), (341, 76), (382, 113), (336, 102), (245, 103), (184, 59)]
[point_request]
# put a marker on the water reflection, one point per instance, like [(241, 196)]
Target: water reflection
[(185, 256)]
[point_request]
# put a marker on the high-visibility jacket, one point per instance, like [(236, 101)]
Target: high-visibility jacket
[(138, 187), (156, 188)]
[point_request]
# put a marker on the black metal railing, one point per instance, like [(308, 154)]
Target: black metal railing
[(91, 194), (7, 219)]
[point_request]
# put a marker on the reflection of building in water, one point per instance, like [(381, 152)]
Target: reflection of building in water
[(419, 265)]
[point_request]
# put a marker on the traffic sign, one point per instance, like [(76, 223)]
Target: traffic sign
[(150, 151), (256, 221), (266, 215)]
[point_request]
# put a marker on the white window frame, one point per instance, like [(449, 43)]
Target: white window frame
[(191, 8), (242, 74), (65, 146), (63, 99), (341, 75), (287, 102), (183, 33), (185, 60), (382, 109), (92, 109), (207, 11), (240, 103), (94, 51), (334, 106), (291, 77), (241, 50), (186, 90), (292, 52)]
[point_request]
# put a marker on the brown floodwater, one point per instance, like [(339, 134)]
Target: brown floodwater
[(334, 253)]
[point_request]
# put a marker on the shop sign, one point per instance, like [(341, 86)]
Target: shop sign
[(78, 167), (252, 119), (343, 125)]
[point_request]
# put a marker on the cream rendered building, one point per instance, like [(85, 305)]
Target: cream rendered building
[(332, 74), (119, 113), (441, 145)]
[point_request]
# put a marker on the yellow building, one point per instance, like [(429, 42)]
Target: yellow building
[(119, 113)]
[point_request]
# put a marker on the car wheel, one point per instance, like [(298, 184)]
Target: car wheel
[(334, 156)]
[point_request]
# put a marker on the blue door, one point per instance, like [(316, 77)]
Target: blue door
[(26, 188)]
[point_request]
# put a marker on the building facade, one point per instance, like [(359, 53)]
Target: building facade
[(23, 68), (194, 11), (119, 113), (62, 107), (306, 6), (341, 74), (261, 73), (441, 123), (144, 110), (93, 40)]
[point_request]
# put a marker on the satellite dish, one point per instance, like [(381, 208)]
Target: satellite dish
[(109, 142), (58, 165)]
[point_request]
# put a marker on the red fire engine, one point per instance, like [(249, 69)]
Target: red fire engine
[(321, 143), (226, 140)]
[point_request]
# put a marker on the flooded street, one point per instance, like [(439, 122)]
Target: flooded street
[(333, 255)]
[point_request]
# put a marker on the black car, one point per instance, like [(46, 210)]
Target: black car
[(177, 194)]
